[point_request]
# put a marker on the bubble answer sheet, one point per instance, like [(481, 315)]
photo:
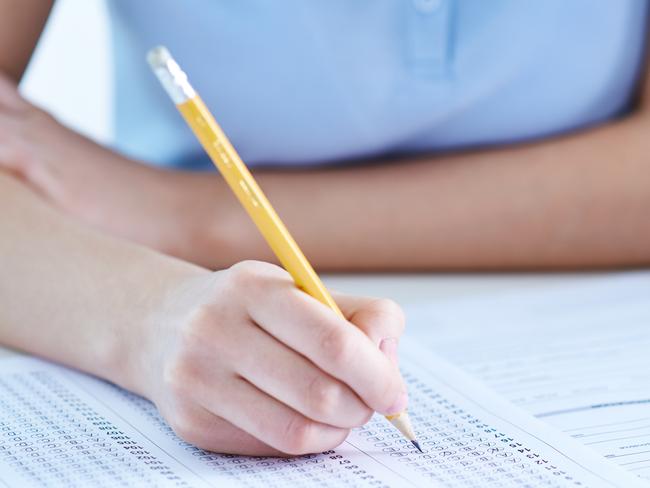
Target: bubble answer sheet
[(576, 356), (59, 427)]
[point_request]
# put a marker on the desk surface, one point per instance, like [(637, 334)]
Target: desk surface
[(408, 289)]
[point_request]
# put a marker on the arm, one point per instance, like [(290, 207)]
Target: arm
[(237, 361), (575, 201), (21, 24), (62, 296)]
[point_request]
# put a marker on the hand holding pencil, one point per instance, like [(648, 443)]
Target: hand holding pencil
[(286, 249)]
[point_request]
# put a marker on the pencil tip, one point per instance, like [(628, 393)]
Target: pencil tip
[(417, 444)]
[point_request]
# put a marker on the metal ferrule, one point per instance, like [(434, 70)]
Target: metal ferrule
[(171, 76)]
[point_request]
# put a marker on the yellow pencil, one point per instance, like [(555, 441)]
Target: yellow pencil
[(241, 182)]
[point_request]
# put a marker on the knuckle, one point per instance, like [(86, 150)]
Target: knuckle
[(248, 272), (337, 345), (243, 274), (326, 400), (298, 436), (244, 270), (248, 275), (325, 397)]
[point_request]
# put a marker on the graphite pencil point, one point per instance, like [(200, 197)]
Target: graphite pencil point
[(417, 444)]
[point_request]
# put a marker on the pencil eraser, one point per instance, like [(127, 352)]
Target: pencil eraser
[(158, 57)]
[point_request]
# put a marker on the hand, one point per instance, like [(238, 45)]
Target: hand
[(173, 212), (244, 362)]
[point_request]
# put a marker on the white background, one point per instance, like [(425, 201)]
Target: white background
[(70, 72)]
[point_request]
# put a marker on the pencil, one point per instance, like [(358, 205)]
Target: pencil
[(246, 189)]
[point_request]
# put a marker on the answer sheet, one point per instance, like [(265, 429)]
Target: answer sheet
[(576, 356), (62, 428)]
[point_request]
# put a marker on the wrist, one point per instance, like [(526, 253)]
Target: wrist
[(134, 357)]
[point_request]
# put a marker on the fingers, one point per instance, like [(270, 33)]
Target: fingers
[(308, 327), (378, 318), (293, 380), (269, 420), (382, 320), (269, 368), (199, 427), (17, 151)]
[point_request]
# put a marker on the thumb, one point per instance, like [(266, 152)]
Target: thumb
[(381, 319)]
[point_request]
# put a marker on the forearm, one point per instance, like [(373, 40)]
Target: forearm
[(21, 24), (71, 294), (577, 201)]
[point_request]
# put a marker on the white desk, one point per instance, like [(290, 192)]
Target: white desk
[(409, 289)]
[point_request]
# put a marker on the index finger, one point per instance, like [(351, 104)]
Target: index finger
[(331, 343)]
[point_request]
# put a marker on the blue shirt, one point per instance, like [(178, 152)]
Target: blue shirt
[(296, 82)]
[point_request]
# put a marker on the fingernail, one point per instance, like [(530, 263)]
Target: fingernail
[(388, 346), (400, 405)]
